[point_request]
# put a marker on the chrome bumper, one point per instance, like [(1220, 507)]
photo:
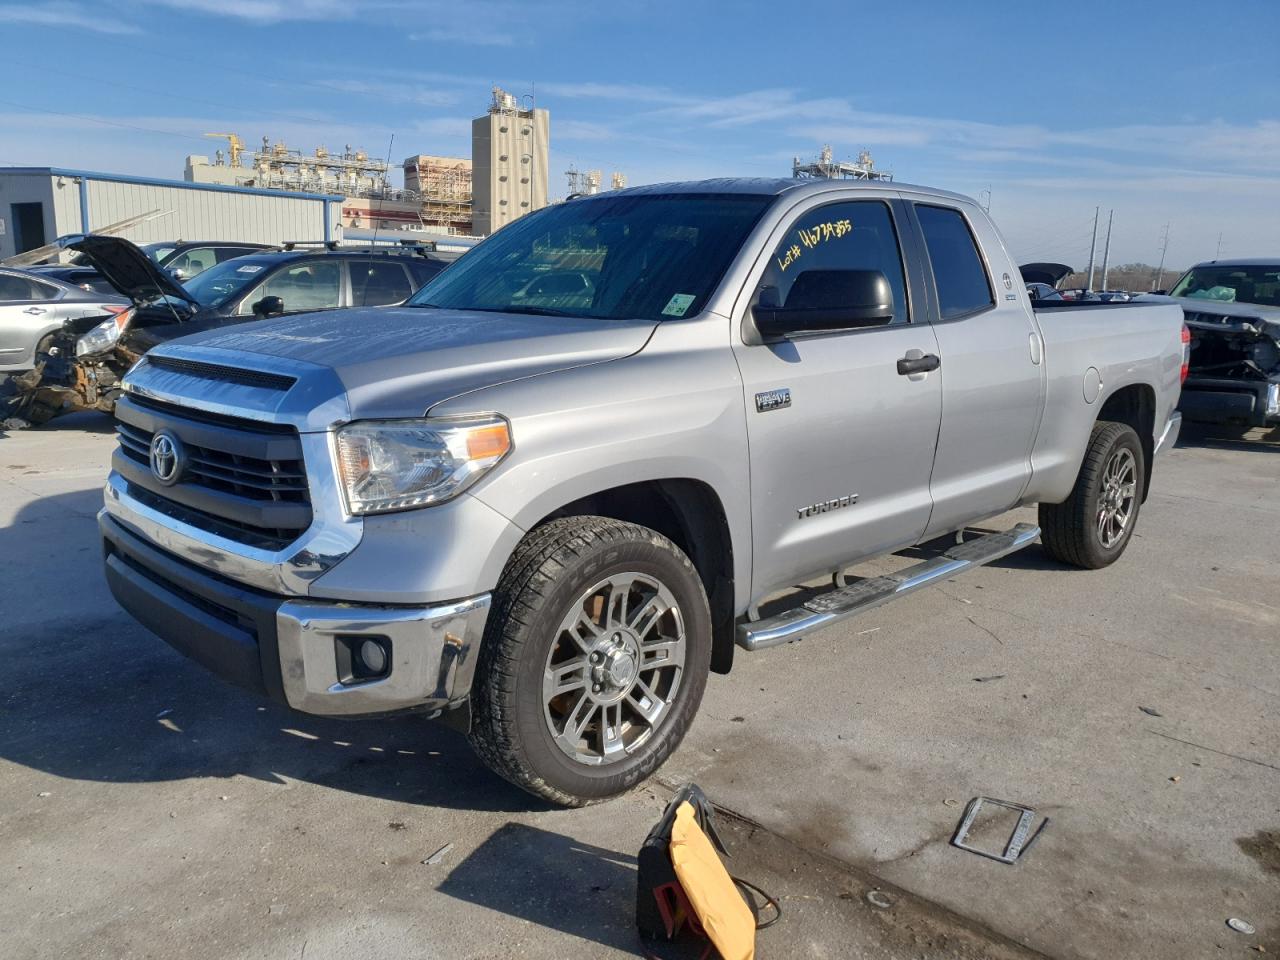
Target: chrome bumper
[(1170, 435), (287, 647), (433, 655)]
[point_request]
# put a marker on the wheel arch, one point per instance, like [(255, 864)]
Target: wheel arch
[(1135, 404), (689, 513)]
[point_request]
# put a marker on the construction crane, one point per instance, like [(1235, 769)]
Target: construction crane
[(235, 144)]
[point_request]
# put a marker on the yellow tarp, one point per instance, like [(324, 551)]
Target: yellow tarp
[(724, 915)]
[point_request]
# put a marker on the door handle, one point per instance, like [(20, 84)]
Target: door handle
[(34, 311), (925, 364)]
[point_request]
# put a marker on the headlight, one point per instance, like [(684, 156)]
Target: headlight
[(399, 464), (104, 336)]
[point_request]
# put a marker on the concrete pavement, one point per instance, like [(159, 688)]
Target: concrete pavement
[(148, 810)]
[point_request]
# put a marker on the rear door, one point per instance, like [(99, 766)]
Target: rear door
[(991, 375), (841, 444), (378, 281), (29, 309)]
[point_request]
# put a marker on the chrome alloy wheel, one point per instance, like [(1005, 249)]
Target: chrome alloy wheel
[(1116, 499), (614, 668)]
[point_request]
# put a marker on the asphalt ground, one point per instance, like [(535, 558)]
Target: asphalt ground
[(148, 810)]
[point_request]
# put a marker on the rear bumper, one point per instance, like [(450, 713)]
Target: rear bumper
[(287, 648)]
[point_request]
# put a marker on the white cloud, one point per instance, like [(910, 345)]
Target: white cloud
[(71, 15), (471, 36)]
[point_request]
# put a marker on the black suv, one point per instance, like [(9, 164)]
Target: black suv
[(296, 278)]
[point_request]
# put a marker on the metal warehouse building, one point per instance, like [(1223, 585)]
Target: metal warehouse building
[(39, 204)]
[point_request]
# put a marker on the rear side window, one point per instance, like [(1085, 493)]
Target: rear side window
[(958, 273), (375, 283)]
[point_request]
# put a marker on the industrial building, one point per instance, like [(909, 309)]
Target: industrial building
[(39, 204), (509, 150), (827, 167)]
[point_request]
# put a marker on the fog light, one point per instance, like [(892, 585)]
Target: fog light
[(373, 658), (362, 659)]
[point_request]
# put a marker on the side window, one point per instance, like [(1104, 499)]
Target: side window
[(16, 288), (823, 245), (424, 270), (958, 273), (310, 285), (375, 283), (43, 291), (193, 262), (230, 253)]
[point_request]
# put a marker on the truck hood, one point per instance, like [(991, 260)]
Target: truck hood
[(126, 267), (1196, 306), (401, 361)]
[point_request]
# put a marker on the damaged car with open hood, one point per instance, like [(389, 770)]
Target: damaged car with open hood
[(1232, 308), (86, 363)]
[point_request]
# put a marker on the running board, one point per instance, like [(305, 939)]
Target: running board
[(846, 602)]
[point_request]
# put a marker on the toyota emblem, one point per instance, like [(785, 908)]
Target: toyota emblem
[(166, 458)]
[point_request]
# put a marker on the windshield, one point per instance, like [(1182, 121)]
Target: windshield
[(158, 251), (1245, 284), (221, 283), (648, 257)]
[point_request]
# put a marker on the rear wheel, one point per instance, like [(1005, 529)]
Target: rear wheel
[(1092, 527), (594, 660)]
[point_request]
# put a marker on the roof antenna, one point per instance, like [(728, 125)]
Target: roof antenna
[(377, 222)]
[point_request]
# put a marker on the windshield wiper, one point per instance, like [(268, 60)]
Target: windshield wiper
[(536, 311), (433, 306)]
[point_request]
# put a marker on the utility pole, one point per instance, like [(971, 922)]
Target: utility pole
[(1093, 246), (1106, 249), (1164, 248), (1218, 254)]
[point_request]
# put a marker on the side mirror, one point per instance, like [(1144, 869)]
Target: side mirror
[(178, 274), (268, 306), (825, 300)]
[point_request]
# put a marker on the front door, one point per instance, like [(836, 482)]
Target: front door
[(841, 471), (992, 378)]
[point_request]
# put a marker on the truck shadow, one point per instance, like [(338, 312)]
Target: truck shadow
[(582, 890), (1226, 437), (91, 695)]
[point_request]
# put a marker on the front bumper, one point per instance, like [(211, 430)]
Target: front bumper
[(287, 648), (1254, 403)]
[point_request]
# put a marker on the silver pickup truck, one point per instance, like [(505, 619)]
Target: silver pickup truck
[(551, 493)]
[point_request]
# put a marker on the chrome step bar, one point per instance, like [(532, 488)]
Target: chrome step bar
[(846, 602)]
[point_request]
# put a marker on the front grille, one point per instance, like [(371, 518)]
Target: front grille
[(241, 479), (224, 374)]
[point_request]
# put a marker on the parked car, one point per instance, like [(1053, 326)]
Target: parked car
[(33, 307), (183, 259), (1232, 308), (547, 511), (1042, 291)]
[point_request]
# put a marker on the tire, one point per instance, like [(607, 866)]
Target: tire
[(1092, 527), (625, 589)]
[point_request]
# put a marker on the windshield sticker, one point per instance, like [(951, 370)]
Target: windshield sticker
[(819, 233), (249, 268), (678, 304)]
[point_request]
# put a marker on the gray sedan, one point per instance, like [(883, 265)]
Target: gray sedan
[(32, 309)]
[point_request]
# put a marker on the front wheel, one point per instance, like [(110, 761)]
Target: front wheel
[(1092, 527), (594, 660)]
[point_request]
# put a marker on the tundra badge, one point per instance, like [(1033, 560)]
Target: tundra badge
[(773, 400)]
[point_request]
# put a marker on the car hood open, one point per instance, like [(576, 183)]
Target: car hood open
[(1050, 273), (127, 268)]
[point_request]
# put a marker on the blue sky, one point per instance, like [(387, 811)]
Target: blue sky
[(1165, 112)]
